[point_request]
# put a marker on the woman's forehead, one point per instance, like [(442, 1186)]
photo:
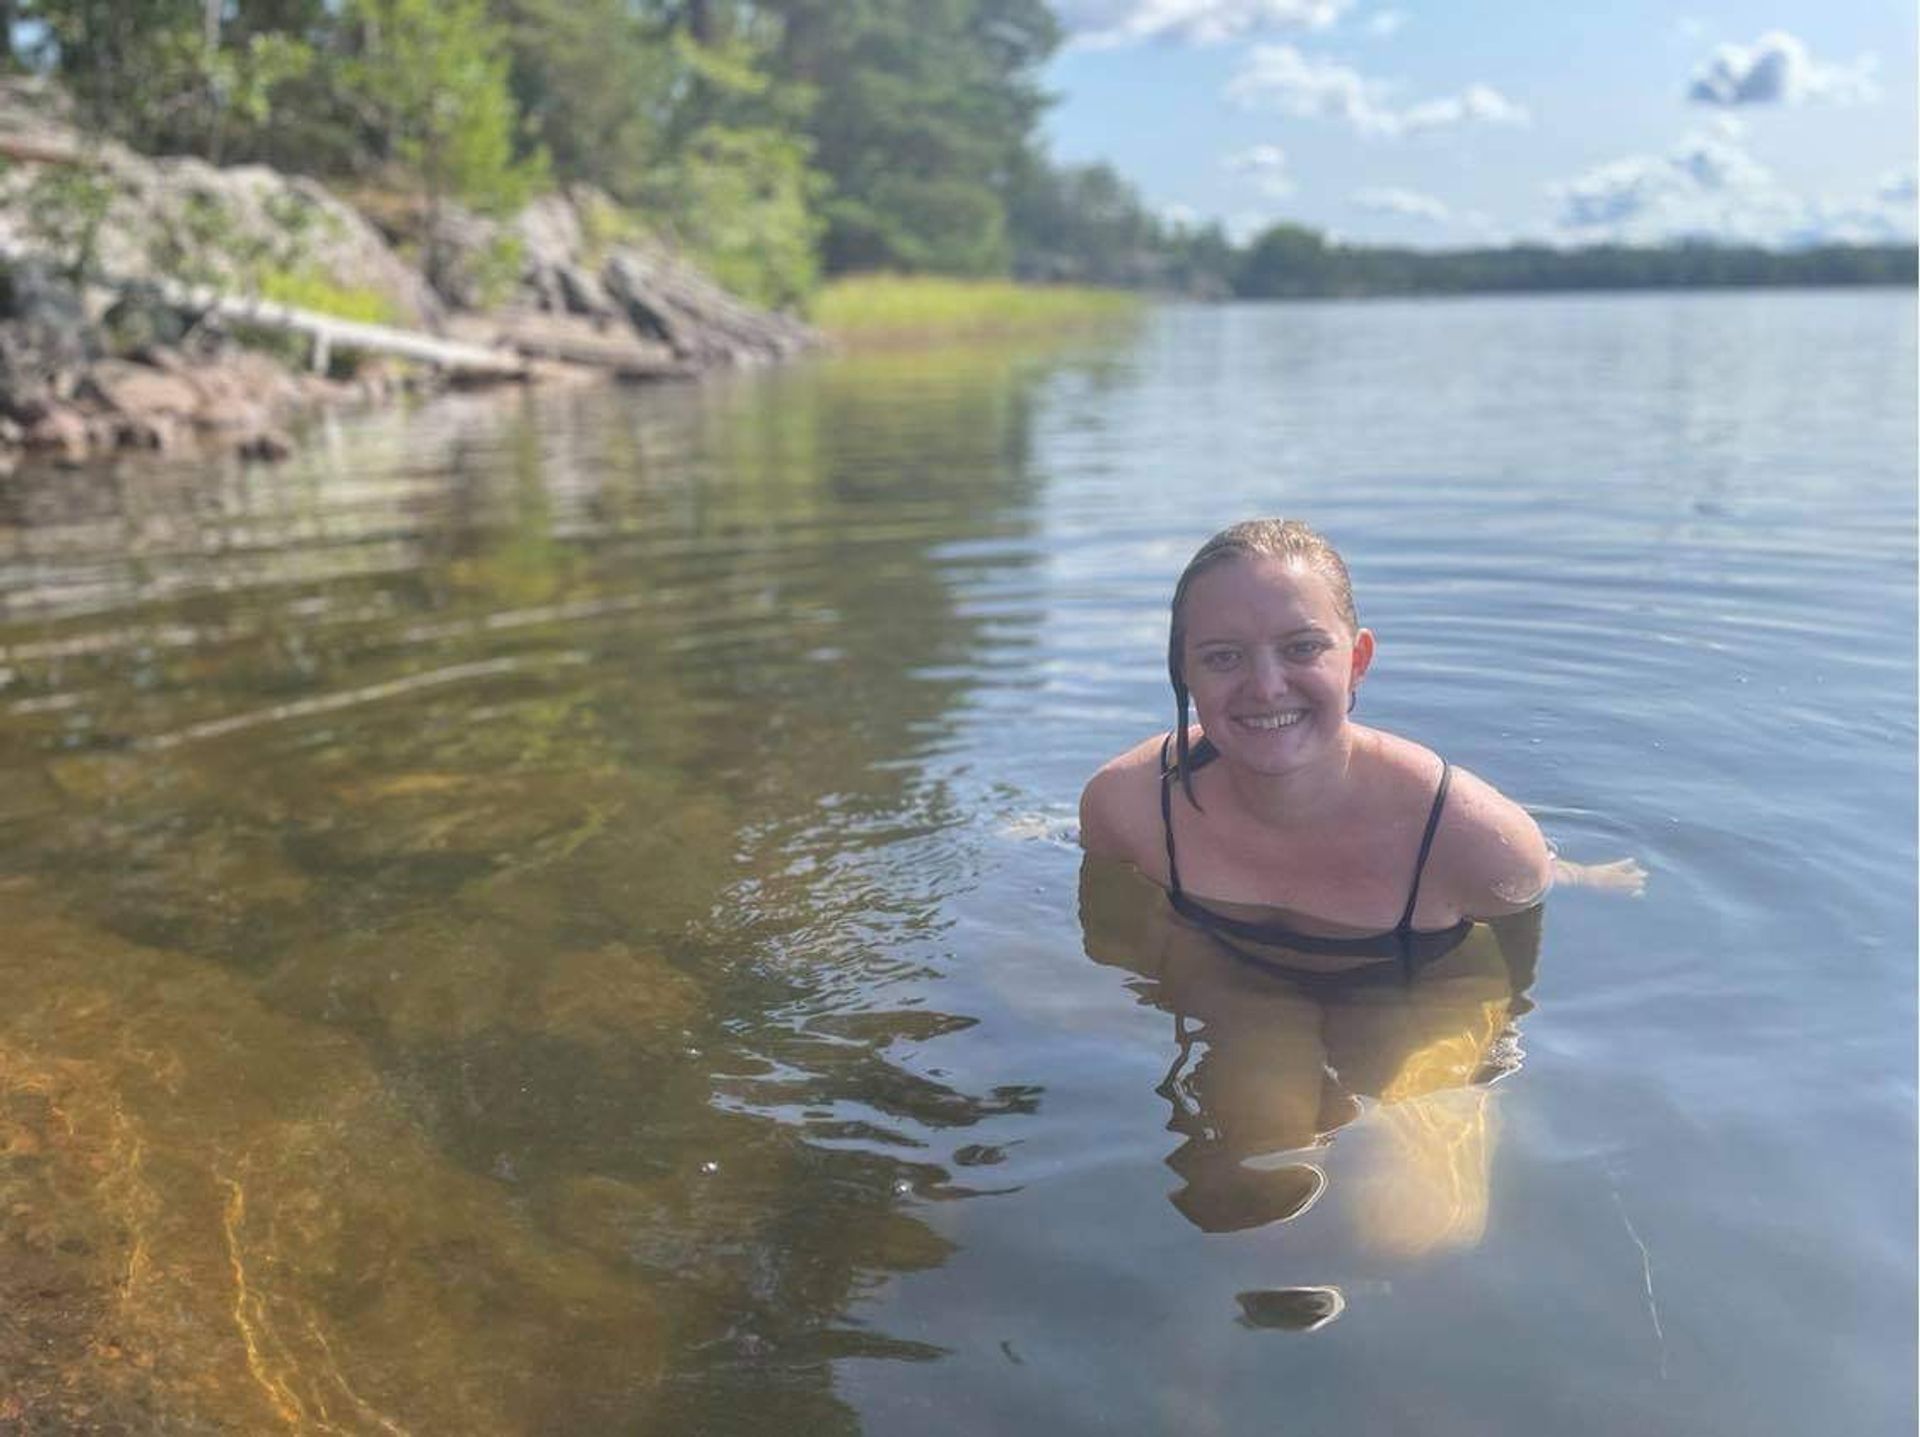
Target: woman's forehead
[(1262, 591)]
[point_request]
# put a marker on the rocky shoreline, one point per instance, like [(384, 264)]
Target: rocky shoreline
[(70, 393), (203, 320)]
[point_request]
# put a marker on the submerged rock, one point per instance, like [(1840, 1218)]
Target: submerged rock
[(1291, 1309), (217, 1218)]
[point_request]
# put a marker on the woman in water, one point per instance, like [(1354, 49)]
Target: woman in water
[(1276, 821)]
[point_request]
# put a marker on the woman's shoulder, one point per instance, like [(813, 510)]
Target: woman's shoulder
[(1489, 856), (1120, 806)]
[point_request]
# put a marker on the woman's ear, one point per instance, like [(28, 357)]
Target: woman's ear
[(1362, 654)]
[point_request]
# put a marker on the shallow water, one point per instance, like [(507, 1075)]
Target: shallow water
[(562, 915)]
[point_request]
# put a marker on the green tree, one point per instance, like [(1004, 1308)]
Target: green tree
[(1202, 261), (741, 202), (733, 181), (135, 67), (429, 80), (1285, 261), (1084, 223), (925, 110), (593, 81), (169, 75)]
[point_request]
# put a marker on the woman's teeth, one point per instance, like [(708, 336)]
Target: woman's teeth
[(1271, 721)]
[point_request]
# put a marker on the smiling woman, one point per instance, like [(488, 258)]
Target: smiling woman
[(1278, 821)]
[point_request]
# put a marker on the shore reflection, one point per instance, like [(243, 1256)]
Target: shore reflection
[(1268, 1068), (472, 899)]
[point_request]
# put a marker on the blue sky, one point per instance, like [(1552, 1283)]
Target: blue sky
[(1469, 122)]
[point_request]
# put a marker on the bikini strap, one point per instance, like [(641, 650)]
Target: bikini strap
[(1166, 814), (1426, 846)]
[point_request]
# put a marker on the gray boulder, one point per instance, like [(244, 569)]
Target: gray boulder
[(564, 267), (182, 218), (45, 339)]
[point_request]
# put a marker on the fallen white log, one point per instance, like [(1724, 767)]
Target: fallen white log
[(458, 358)]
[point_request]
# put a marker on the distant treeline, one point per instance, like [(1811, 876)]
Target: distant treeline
[(1289, 262), (776, 140)]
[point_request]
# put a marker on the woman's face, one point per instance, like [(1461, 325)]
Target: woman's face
[(1270, 662)]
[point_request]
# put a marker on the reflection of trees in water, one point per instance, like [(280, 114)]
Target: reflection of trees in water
[(673, 831), (1268, 1067)]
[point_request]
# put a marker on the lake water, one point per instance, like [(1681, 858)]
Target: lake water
[(562, 914)]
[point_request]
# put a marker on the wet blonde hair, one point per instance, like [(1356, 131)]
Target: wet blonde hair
[(1284, 539)]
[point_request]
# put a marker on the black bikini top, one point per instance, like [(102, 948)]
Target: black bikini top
[(1411, 946)]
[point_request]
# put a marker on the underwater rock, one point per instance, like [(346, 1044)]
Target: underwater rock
[(217, 1219), (1291, 1309)]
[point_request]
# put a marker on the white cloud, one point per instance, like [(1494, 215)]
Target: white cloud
[(1848, 221), (1267, 164), (1280, 77), (1481, 103), (1705, 184), (1104, 24), (1409, 203), (1715, 164), (1897, 187), (1385, 24), (1778, 69), (1708, 186)]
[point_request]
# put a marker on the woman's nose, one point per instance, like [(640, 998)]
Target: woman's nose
[(1269, 674)]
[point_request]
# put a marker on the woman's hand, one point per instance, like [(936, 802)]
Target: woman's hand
[(1622, 875)]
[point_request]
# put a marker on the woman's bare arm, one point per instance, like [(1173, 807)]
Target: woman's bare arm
[(1120, 808), (1489, 852), (1621, 875)]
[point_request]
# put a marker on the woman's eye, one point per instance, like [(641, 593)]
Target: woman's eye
[(1304, 649), (1219, 659)]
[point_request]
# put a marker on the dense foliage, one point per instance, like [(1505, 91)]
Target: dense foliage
[(775, 139)]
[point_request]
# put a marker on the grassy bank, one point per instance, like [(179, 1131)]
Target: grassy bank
[(889, 308)]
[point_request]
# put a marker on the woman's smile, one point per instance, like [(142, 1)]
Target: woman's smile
[(1286, 718)]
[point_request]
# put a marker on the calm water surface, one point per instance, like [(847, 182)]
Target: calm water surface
[(563, 915)]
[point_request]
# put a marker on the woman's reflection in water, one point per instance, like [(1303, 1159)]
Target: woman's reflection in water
[(1272, 1061)]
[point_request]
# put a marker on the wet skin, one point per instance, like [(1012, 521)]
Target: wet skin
[(1307, 811)]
